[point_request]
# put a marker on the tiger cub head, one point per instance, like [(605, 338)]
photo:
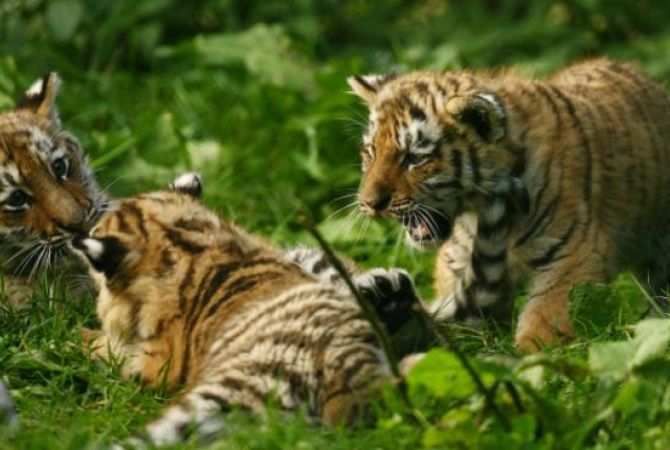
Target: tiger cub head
[(137, 247), (133, 231), (47, 189), (434, 146)]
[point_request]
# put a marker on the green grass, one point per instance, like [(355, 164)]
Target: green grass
[(253, 95)]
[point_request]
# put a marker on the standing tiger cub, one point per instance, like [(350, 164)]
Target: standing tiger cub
[(189, 300), (554, 182)]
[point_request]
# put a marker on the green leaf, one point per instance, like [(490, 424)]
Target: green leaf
[(442, 375), (612, 359), (653, 336), (617, 359), (263, 50), (63, 18)]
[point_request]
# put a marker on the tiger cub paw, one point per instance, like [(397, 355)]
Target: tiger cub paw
[(313, 262), (391, 292), (188, 183)]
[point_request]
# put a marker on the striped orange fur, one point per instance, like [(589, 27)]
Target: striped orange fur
[(548, 181), (191, 301)]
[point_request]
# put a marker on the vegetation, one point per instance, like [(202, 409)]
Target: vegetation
[(253, 95)]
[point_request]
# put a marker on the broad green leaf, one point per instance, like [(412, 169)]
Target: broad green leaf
[(63, 17), (653, 336), (264, 51), (617, 359), (612, 359), (442, 374)]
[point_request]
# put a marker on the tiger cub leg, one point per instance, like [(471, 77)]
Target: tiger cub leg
[(453, 269), (391, 291), (545, 319), (472, 276)]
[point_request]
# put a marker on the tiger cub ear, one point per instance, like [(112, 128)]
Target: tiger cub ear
[(104, 254), (189, 183), (41, 98), (367, 86), (482, 111)]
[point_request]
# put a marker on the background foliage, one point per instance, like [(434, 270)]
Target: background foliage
[(252, 94)]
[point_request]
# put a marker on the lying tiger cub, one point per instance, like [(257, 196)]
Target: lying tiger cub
[(189, 299)]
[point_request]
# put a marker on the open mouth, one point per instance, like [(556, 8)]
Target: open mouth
[(426, 228)]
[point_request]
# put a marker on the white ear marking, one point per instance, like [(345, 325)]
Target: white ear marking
[(94, 248), (188, 180), (189, 183), (367, 86), (493, 100), (36, 88)]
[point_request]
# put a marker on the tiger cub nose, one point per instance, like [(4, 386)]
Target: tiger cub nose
[(378, 203)]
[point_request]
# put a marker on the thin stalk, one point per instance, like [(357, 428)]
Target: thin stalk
[(367, 309), (445, 340)]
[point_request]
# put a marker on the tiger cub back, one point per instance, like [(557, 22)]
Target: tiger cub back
[(188, 299)]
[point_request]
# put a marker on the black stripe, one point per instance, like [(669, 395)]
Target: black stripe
[(417, 113), (474, 160), (544, 92), (451, 184), (212, 282), (442, 92), (480, 274), (486, 258), (485, 228), (179, 240), (519, 167), (166, 260), (320, 265), (544, 219), (186, 282), (584, 144), (211, 397), (122, 222), (364, 83), (191, 224), (421, 87), (456, 84), (240, 285), (139, 216), (549, 255), (457, 163), (235, 384)]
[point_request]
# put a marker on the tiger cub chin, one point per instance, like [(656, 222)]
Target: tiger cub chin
[(187, 299), (552, 182), (47, 190)]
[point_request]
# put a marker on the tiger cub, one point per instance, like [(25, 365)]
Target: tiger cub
[(47, 189), (188, 299), (555, 182)]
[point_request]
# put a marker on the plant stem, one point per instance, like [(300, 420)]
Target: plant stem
[(445, 340), (367, 309)]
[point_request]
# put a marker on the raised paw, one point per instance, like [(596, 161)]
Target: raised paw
[(391, 292), (314, 263)]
